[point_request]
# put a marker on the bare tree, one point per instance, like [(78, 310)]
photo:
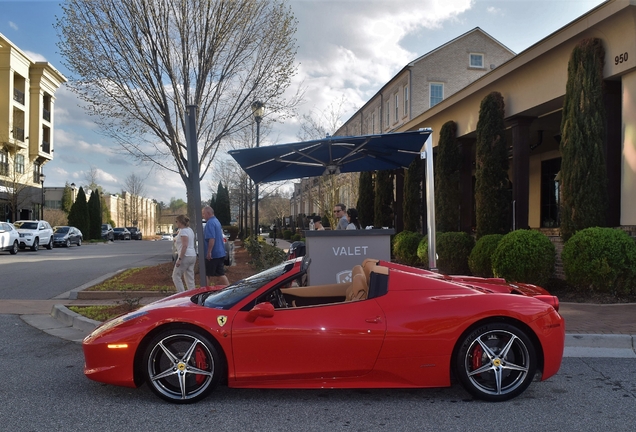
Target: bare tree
[(274, 206), (16, 181), (139, 63), (136, 188), (91, 177)]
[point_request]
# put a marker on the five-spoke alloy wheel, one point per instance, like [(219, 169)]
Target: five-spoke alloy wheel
[(496, 362), (182, 366)]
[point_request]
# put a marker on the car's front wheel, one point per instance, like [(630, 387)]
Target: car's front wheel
[(68, 243), (36, 244), (79, 242), (182, 366), (496, 362), (14, 248)]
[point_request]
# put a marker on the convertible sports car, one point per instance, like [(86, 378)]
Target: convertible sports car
[(392, 326)]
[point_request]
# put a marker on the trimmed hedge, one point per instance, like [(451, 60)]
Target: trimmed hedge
[(405, 245), (480, 259), (453, 249), (287, 234), (524, 256), (601, 259)]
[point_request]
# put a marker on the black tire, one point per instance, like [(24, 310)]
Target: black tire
[(79, 241), (36, 244), (496, 362), (49, 245), (14, 248), (182, 353), (68, 243)]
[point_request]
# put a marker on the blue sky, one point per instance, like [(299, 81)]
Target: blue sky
[(346, 48)]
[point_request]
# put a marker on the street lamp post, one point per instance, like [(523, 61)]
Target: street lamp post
[(258, 108), (42, 177)]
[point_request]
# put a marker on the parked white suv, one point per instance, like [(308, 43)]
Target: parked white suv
[(34, 233)]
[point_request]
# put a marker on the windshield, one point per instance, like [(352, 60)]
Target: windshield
[(118, 229), (27, 225), (104, 227), (61, 230), (232, 294)]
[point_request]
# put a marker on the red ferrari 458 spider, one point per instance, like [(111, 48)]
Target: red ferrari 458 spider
[(391, 326)]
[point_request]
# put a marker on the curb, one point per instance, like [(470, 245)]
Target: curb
[(73, 319), (600, 345)]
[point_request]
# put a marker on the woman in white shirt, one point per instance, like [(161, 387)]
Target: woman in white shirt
[(186, 255), (352, 218)]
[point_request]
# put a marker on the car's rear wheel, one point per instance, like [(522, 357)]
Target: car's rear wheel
[(14, 248), (182, 366), (49, 245), (496, 362), (79, 242), (36, 244)]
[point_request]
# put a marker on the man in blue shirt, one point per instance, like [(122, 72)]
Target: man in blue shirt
[(214, 248)]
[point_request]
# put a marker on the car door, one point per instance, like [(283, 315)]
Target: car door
[(308, 343)]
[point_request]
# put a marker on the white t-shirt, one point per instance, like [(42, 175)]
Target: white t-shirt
[(351, 226), (189, 235)]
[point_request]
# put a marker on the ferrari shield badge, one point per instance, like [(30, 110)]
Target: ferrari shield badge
[(221, 319)]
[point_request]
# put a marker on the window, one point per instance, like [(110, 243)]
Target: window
[(36, 172), (476, 61), (397, 106), (437, 93), (19, 164), (388, 113), (550, 193), (406, 101), (4, 162), (373, 123)]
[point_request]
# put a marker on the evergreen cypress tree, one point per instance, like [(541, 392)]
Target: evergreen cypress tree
[(382, 205), (366, 197), (95, 215), (492, 196), (583, 174), (78, 216), (222, 209), (447, 192), (412, 194), (67, 198)]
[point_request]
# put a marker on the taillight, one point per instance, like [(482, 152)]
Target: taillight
[(549, 299)]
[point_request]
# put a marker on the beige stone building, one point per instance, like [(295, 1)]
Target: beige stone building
[(27, 99), (533, 85), (127, 210), (419, 86)]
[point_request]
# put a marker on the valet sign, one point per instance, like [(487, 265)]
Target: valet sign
[(350, 251), (334, 253)]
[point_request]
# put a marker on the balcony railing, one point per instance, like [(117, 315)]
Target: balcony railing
[(46, 147), (18, 96), (46, 115), (18, 133)]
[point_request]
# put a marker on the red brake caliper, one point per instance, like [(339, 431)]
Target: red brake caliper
[(201, 362), (478, 352)]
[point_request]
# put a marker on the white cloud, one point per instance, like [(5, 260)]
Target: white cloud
[(35, 56), (354, 51), (494, 11), (13, 25)]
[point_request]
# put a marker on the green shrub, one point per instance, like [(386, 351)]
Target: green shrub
[(395, 240), (233, 230), (602, 259), (262, 254), (422, 251), (296, 237), (405, 246), (480, 259), (453, 249), (524, 256), (287, 234)]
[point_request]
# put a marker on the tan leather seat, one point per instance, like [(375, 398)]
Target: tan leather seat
[(356, 270), (368, 265), (358, 290)]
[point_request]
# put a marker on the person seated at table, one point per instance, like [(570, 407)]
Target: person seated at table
[(352, 218), (318, 224)]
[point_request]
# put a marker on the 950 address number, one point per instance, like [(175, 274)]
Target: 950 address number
[(621, 58)]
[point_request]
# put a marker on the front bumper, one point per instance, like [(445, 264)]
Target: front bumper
[(26, 241)]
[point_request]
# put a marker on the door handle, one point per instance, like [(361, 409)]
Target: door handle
[(375, 320)]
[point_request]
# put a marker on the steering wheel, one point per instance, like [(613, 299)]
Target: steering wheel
[(282, 303)]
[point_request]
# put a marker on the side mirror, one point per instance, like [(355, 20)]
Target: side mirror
[(262, 310)]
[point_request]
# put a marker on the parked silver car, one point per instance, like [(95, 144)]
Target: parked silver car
[(9, 238)]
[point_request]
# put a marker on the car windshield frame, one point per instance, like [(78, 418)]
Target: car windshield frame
[(232, 294), (62, 230), (28, 225)]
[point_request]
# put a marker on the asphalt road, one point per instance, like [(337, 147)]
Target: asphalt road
[(44, 388), (45, 274)]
